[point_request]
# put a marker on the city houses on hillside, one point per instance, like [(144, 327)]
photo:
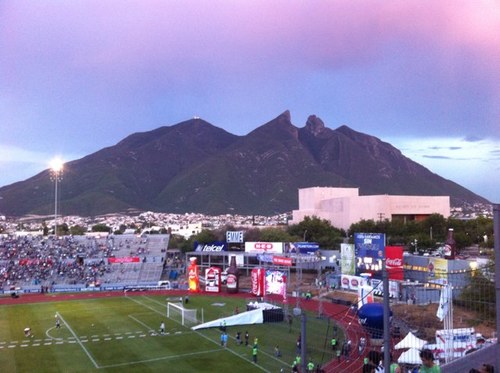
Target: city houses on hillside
[(343, 207)]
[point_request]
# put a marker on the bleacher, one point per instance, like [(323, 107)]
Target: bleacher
[(81, 261)]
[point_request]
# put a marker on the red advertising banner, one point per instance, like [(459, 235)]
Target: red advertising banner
[(258, 281), (394, 262), (282, 261), (128, 259)]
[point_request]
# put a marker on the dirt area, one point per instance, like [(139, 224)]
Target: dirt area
[(423, 319)]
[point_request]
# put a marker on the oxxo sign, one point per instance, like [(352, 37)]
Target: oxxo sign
[(234, 236)]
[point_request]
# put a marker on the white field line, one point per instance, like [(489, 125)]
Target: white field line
[(159, 359), (149, 329), (47, 333), (204, 336), (78, 340)]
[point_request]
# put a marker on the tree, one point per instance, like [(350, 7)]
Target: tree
[(317, 230), (77, 230), (101, 228), (275, 235)]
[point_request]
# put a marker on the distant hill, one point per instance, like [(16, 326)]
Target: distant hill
[(195, 166)]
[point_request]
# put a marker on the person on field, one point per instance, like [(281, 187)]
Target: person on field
[(246, 338), (27, 332), (254, 354), (162, 328)]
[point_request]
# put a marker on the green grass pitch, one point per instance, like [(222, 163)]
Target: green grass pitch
[(121, 334)]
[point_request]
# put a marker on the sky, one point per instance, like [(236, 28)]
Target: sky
[(77, 76)]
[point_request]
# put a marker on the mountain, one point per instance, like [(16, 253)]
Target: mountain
[(194, 166)]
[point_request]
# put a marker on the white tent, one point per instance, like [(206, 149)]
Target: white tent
[(244, 318), (411, 341), (412, 357)]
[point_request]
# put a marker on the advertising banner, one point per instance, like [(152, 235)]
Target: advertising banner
[(438, 270), (394, 286), (275, 282), (347, 259), (349, 282), (130, 259), (193, 276), (264, 247), (370, 251), (301, 247), (394, 262), (234, 236), (212, 246), (258, 277), (212, 280), (282, 261)]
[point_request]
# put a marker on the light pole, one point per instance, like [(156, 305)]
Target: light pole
[(56, 170)]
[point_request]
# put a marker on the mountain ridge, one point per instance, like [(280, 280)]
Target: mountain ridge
[(194, 166)]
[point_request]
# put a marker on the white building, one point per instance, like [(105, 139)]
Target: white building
[(343, 207), (186, 230)]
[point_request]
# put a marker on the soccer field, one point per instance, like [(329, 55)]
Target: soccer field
[(118, 334)]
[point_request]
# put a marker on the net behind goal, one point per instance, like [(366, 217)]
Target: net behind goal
[(184, 316)]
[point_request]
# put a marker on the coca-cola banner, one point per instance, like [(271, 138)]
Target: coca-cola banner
[(347, 259), (264, 247), (394, 262), (258, 276)]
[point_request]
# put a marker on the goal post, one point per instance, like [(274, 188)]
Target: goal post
[(184, 316)]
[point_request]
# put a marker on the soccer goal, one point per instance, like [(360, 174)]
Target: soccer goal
[(184, 316)]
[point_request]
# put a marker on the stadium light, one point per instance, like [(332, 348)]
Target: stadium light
[(56, 170)]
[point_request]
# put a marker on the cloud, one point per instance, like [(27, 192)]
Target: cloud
[(449, 147), (473, 138)]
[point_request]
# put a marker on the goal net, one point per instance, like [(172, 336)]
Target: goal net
[(184, 316)]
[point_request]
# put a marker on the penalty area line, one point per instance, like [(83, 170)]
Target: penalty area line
[(79, 341)]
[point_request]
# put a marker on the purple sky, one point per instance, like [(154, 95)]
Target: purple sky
[(78, 76)]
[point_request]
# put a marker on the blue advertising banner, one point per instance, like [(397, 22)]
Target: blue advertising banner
[(216, 246), (301, 247)]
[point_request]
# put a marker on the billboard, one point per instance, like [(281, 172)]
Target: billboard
[(234, 236), (275, 282), (438, 270), (369, 249), (394, 262), (301, 247), (347, 259), (264, 247)]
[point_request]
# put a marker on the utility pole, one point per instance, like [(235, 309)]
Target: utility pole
[(387, 330), (496, 234)]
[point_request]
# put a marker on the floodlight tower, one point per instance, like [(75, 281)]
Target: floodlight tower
[(56, 171)]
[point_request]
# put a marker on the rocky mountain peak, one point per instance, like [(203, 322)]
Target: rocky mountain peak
[(314, 125)]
